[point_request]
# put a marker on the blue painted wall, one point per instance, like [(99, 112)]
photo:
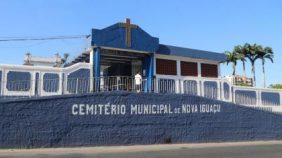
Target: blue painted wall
[(114, 36), (49, 122)]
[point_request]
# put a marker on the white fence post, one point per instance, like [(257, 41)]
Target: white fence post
[(181, 86), (76, 86), (177, 86), (203, 88), (233, 94), (259, 97), (118, 82), (198, 87), (3, 84), (219, 90), (156, 90)]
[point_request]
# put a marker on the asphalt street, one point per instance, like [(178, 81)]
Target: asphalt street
[(271, 149)]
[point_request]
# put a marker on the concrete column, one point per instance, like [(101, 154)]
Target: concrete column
[(4, 82), (199, 87), (178, 68), (177, 86), (91, 62), (61, 81), (230, 93), (233, 94), (97, 66), (181, 88), (149, 68), (32, 83), (178, 82), (219, 96), (1, 82), (37, 88), (258, 99), (218, 70), (199, 69), (200, 82)]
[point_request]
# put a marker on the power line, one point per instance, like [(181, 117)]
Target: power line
[(10, 39)]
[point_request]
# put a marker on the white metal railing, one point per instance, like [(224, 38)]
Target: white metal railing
[(215, 88), (249, 96), (46, 87)]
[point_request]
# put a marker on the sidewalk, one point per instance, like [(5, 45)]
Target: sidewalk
[(128, 149)]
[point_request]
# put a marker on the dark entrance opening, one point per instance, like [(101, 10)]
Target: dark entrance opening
[(118, 69), (122, 69), (121, 63)]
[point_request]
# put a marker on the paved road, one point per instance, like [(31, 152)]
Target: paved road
[(271, 149)]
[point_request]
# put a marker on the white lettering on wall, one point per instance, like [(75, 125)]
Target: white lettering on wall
[(74, 109), (142, 109)]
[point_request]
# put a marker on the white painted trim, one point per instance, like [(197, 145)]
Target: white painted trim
[(255, 88), (32, 70), (73, 69), (121, 49), (19, 93), (42, 68), (41, 88)]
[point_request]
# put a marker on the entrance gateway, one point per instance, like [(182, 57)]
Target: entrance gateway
[(124, 50), (116, 55)]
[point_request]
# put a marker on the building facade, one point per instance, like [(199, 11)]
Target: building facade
[(121, 51)]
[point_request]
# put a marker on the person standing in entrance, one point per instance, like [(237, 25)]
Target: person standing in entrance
[(138, 82)]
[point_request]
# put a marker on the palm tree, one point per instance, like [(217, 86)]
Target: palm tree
[(265, 53), (232, 57), (252, 55), (241, 56)]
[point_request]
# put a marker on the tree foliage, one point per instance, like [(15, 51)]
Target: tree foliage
[(275, 86)]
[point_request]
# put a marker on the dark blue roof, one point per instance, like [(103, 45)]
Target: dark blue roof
[(191, 53), (114, 36)]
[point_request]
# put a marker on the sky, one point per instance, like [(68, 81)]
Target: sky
[(213, 25)]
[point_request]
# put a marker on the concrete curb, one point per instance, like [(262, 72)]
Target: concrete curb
[(134, 148)]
